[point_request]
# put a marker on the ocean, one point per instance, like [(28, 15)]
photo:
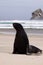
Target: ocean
[(31, 26), (37, 24)]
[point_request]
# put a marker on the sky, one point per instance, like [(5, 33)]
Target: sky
[(18, 9)]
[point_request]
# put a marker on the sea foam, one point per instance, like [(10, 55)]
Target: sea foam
[(25, 23)]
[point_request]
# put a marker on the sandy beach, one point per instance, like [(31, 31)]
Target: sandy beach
[(6, 48)]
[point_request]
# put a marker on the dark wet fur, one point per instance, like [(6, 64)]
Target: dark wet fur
[(21, 40), (21, 44)]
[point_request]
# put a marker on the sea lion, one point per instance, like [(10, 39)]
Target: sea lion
[(21, 40), (21, 43)]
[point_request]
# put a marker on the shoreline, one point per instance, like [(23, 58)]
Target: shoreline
[(29, 31)]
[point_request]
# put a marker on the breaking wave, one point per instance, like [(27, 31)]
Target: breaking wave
[(25, 23)]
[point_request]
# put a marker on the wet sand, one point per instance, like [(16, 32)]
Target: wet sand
[(6, 48)]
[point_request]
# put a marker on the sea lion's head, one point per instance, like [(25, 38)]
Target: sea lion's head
[(18, 26)]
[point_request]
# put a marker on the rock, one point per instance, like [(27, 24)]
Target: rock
[(37, 15)]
